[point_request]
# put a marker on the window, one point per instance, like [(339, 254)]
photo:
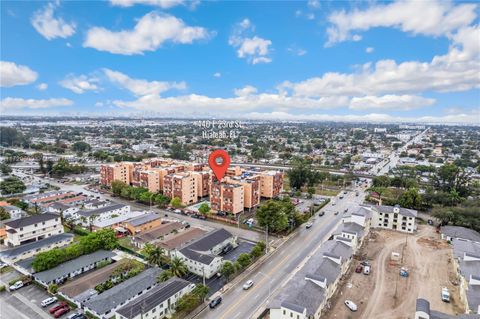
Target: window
[(35, 225)]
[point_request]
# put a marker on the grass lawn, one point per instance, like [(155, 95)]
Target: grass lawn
[(326, 192), (125, 242)]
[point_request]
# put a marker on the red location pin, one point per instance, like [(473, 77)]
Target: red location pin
[(219, 162)]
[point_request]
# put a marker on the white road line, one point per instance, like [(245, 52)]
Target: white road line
[(238, 314)]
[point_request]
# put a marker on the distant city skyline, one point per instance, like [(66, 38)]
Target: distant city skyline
[(313, 60)]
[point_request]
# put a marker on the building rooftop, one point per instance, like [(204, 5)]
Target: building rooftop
[(159, 231), (461, 232), (138, 221), (73, 265), (100, 210), (154, 297), (210, 240), (33, 246), (120, 293), (182, 238), (30, 220), (401, 210)]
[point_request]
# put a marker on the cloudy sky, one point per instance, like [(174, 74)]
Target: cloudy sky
[(317, 60)]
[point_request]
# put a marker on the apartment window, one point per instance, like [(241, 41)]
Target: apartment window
[(35, 225), (43, 223), (291, 314), (21, 228)]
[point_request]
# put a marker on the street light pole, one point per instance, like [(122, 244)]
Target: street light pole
[(238, 220), (151, 196), (266, 242)]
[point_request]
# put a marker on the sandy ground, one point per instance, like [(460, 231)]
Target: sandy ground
[(384, 294)]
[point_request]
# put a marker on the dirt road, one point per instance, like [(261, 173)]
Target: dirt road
[(384, 294)]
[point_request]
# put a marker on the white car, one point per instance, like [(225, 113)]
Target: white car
[(308, 225), (48, 301), (17, 285), (351, 305), (247, 285)]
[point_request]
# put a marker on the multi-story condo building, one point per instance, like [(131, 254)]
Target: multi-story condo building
[(202, 180), (251, 187), (116, 172), (30, 229), (271, 183), (181, 185), (228, 198), (395, 218)]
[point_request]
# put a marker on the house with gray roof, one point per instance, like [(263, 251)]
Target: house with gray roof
[(73, 267), (15, 212), (104, 305), (423, 311), (85, 217), (306, 294), (159, 301), (451, 232), (18, 253), (203, 255)]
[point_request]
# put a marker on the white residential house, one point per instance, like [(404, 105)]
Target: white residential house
[(159, 302), (394, 218), (30, 229), (60, 208), (15, 212), (85, 217)]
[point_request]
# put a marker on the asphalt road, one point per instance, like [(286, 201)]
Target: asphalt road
[(281, 265)]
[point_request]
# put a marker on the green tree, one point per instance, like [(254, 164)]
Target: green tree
[(244, 260), (201, 291), (178, 267), (381, 181), (81, 147), (12, 185), (4, 214), (411, 199), (176, 202), (117, 187), (10, 136), (179, 151), (227, 270), (273, 215), (162, 200), (154, 255), (256, 252), (204, 208), (311, 191), (164, 275), (53, 288), (5, 168), (300, 174)]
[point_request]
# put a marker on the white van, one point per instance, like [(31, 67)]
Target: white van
[(366, 270)]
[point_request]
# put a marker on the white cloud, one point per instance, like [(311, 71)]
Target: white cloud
[(250, 47), (11, 103), (141, 87), (356, 37), (315, 4), (149, 34), (80, 84), (99, 104), (217, 74), (437, 18), (390, 102), (49, 26), (463, 118), (13, 74), (163, 4), (296, 51), (245, 91), (369, 50), (237, 105), (455, 71), (42, 86)]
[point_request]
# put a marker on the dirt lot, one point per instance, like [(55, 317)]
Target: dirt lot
[(384, 294)]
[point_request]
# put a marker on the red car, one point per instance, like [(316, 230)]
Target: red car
[(61, 311), (358, 269), (57, 307)]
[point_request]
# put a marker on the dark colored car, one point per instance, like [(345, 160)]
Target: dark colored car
[(60, 312), (359, 269), (215, 302), (57, 307)]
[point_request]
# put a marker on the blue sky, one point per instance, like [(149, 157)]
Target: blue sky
[(341, 61)]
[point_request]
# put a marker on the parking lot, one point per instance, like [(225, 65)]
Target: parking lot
[(23, 303)]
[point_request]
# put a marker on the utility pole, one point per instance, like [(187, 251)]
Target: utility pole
[(266, 242)]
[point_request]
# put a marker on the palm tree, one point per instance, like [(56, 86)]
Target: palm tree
[(156, 256), (164, 276), (178, 267)]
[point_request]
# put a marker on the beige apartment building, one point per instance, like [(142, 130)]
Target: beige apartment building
[(271, 183), (251, 188), (116, 172), (228, 198), (202, 182), (181, 185), (33, 228)]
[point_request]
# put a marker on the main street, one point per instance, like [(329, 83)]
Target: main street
[(270, 276)]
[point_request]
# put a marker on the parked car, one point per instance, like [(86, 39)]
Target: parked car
[(247, 285), (177, 211), (445, 294), (336, 213), (366, 270), (77, 316), (57, 307), (17, 285), (48, 301), (321, 214), (215, 302), (60, 312), (365, 263), (358, 269), (308, 225), (351, 305), (346, 210)]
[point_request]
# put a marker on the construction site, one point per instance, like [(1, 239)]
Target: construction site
[(403, 267)]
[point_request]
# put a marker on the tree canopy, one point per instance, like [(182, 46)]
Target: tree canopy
[(12, 185)]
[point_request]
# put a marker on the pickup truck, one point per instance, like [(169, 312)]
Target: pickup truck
[(25, 281)]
